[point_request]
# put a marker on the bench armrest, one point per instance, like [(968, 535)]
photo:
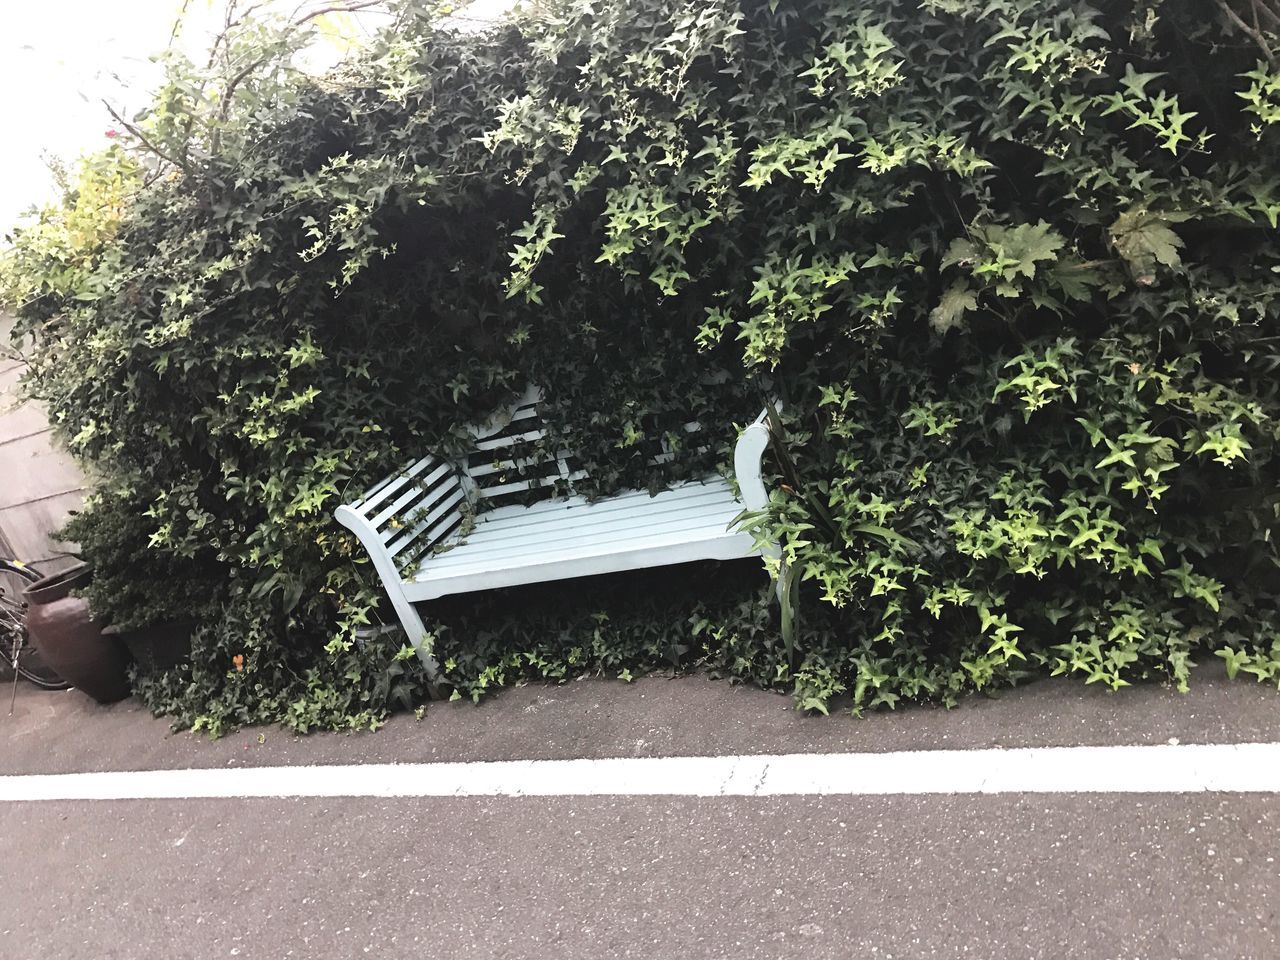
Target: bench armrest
[(407, 513), (747, 457)]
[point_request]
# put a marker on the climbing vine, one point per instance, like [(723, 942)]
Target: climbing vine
[(1011, 267)]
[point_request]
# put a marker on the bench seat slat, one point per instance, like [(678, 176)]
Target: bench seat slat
[(622, 529), (595, 529), (535, 514), (511, 522), (637, 555)]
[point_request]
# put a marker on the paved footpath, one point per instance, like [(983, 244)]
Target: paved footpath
[(640, 863)]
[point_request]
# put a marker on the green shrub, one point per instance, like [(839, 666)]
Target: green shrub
[(1010, 264)]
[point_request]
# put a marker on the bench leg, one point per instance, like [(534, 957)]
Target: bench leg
[(417, 633)]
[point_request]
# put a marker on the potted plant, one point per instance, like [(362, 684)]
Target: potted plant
[(71, 640), (151, 599)]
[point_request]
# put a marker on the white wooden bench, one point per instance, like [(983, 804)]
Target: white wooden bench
[(443, 526)]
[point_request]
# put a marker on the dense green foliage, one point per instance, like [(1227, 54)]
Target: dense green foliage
[(1011, 265)]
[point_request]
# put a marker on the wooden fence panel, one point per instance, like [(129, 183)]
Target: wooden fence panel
[(39, 482)]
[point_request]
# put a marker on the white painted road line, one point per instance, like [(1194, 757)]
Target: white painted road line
[(1191, 768)]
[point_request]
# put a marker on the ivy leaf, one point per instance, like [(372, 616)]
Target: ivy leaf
[(1143, 239), (1136, 83), (955, 301), (1234, 660)]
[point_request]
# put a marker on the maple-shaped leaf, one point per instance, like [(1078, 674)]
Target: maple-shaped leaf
[(955, 301), (1023, 246), (1076, 280), (961, 252), (1143, 239)]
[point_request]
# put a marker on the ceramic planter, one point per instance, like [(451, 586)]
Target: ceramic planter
[(69, 639)]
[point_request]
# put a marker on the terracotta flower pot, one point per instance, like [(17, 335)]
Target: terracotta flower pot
[(71, 642)]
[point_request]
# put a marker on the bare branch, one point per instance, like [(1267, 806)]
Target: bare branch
[(339, 8), (177, 21), (236, 17), (228, 25), (1258, 37), (1261, 6), (244, 73), (142, 138)]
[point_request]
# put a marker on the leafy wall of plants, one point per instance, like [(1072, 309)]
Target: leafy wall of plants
[(1012, 266)]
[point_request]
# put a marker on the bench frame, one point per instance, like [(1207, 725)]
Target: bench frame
[(444, 492)]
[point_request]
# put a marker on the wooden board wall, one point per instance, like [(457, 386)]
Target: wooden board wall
[(39, 483)]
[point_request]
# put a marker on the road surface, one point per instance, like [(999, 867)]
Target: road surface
[(1190, 875)]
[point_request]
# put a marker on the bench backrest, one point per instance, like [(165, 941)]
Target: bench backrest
[(508, 461), (434, 497), (409, 510)]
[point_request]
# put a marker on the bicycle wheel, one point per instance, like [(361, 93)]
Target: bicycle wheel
[(14, 577)]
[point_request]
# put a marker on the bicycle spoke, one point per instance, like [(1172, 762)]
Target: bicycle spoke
[(16, 647)]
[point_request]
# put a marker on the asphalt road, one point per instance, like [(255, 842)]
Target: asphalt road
[(1191, 877)]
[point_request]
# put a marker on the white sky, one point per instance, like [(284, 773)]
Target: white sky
[(57, 59), (60, 58)]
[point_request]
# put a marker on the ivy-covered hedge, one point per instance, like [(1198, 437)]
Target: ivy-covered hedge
[(1011, 265)]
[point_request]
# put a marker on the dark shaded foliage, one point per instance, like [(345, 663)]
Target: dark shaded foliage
[(1011, 265)]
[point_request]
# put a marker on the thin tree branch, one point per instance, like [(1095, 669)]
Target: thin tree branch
[(1258, 37), (142, 138), (177, 21), (227, 27), (1260, 6), (244, 73), (339, 8)]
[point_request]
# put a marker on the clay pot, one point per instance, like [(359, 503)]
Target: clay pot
[(70, 641)]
